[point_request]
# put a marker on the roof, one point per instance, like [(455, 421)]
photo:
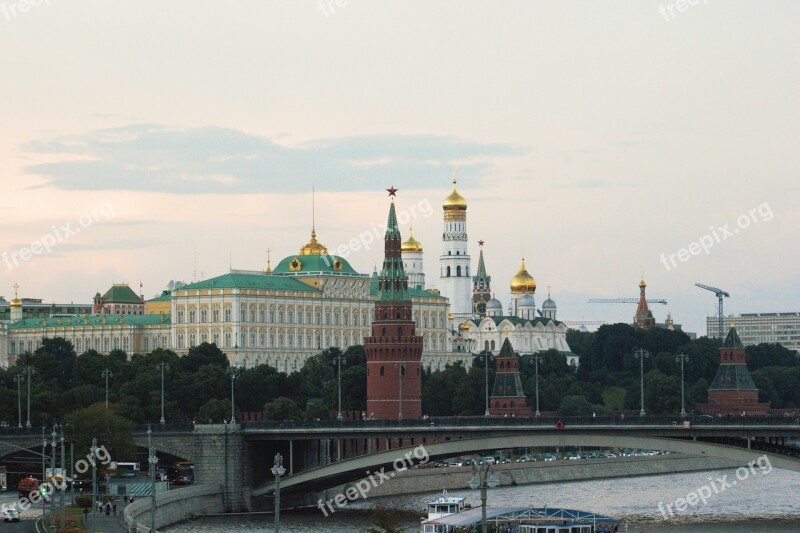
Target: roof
[(473, 516), (413, 292), (319, 264), (121, 293), (165, 296), (517, 321), (732, 340), (252, 280), (91, 321), (733, 377), (506, 350)]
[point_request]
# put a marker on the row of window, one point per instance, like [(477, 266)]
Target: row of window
[(448, 272), (100, 344)]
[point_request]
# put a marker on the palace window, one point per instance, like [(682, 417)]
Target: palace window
[(204, 315), (192, 339), (262, 339), (215, 338), (227, 339), (215, 315), (227, 314), (145, 344), (180, 316), (180, 340), (252, 314), (191, 316)]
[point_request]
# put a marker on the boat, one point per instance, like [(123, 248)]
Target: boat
[(448, 514)]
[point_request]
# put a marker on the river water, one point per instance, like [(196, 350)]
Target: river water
[(760, 500)]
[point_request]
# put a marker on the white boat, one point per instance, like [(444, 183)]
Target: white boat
[(525, 520), (445, 505)]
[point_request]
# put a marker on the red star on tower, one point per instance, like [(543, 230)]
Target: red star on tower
[(392, 191), (480, 243)]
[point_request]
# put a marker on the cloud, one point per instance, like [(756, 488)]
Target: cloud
[(158, 158)]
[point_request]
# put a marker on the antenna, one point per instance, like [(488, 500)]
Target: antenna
[(313, 210), (194, 272)]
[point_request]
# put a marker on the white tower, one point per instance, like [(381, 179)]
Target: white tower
[(549, 307), (412, 261), (455, 282)]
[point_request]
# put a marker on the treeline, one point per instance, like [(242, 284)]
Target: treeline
[(608, 378)]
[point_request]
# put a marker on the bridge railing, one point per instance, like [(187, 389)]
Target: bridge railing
[(180, 427), (565, 422)]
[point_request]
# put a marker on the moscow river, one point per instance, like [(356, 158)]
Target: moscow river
[(761, 501)]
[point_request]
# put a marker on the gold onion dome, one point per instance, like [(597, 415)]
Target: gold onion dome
[(523, 282), (313, 247), (411, 245), (455, 202), (642, 284), (16, 302)]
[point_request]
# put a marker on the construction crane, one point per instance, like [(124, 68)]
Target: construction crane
[(581, 324), (625, 301), (720, 294)]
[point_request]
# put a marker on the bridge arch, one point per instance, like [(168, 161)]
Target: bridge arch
[(353, 469)]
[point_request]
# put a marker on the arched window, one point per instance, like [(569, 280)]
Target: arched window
[(447, 272), (458, 271), (381, 371)]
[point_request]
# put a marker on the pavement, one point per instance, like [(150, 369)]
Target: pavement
[(107, 524)]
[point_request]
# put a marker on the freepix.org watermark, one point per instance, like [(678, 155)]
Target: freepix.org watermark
[(718, 234), (375, 233), (12, 10), (714, 487), (47, 489), (668, 11), (362, 487), (60, 234)]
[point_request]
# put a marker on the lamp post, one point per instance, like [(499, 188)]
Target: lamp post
[(483, 478), (29, 370), (19, 378), (63, 483), (44, 475), (107, 374), (401, 370), (233, 371), (163, 366), (486, 356), (640, 354), (339, 378), (536, 361), (682, 357), (278, 470), (94, 484), (53, 444), (152, 460)]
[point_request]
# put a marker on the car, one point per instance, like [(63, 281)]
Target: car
[(524, 459), (489, 460), (505, 461), (575, 457), (549, 457), (10, 515)]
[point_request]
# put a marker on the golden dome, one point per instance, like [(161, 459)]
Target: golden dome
[(455, 202), (313, 247), (523, 282), (642, 284), (16, 302), (412, 244)]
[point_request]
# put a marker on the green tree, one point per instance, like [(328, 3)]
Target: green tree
[(111, 430), (282, 409), (217, 411), (575, 406)]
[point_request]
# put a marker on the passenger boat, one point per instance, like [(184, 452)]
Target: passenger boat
[(448, 514)]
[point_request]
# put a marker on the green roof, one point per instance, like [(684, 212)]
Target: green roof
[(250, 280), (90, 321), (733, 340), (121, 293), (304, 264), (413, 292), (733, 377), (166, 296)]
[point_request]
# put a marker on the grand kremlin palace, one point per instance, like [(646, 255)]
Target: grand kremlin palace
[(309, 302)]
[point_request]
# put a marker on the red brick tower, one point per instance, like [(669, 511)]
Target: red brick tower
[(733, 392), (394, 351), (508, 398), (644, 317)]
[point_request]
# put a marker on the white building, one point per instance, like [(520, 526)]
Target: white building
[(455, 281), (755, 328)]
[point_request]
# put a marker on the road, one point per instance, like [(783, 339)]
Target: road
[(29, 517)]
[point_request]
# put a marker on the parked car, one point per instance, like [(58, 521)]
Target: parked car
[(10, 515), (549, 457), (489, 460), (525, 459)]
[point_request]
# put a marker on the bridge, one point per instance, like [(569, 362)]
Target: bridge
[(319, 455), (323, 454)]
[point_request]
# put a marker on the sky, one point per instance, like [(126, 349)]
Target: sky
[(145, 141)]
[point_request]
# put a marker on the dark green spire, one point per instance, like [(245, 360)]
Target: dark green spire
[(392, 230), (393, 282)]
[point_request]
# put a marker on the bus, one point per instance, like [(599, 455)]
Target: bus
[(126, 469)]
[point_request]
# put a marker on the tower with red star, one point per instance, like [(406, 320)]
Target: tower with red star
[(393, 350)]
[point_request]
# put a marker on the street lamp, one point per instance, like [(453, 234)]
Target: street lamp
[(29, 370), (53, 444), (486, 356), (152, 460), (640, 354), (63, 483), (481, 479), (536, 361), (94, 484), (107, 374), (402, 371), (19, 378), (339, 376), (682, 357), (233, 371), (278, 470), (163, 366)]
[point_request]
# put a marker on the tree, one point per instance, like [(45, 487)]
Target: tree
[(204, 354), (576, 406), (216, 410), (282, 409), (111, 430), (767, 354)]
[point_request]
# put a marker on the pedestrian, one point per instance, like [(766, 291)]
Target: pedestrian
[(85, 513), (114, 507)]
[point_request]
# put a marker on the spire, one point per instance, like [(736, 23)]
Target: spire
[(269, 266), (393, 282), (481, 265), (644, 317), (392, 229)]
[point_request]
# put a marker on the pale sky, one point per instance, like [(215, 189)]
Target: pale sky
[(593, 135)]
